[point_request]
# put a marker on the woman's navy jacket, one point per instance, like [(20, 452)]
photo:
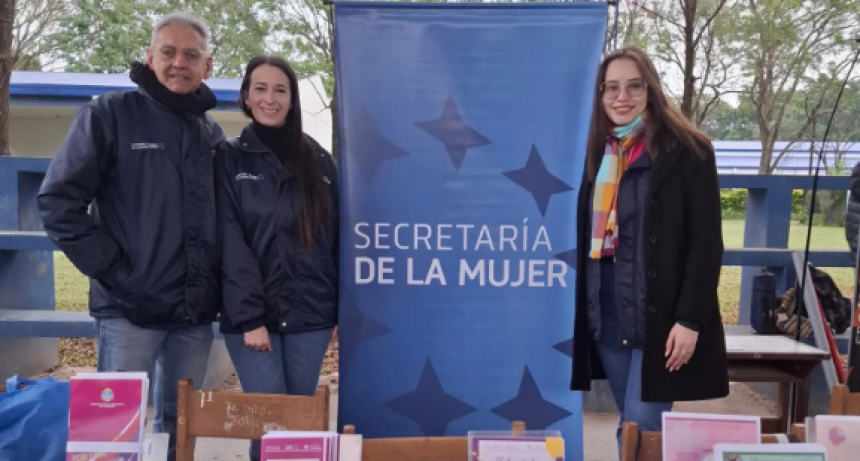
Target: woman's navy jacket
[(269, 278)]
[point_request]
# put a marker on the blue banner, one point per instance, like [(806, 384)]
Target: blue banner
[(463, 132)]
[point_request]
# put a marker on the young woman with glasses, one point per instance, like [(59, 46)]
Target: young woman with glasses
[(650, 250)]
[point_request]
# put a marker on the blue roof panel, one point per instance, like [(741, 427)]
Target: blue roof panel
[(86, 85)]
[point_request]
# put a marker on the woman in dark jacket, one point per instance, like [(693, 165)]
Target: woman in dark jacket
[(649, 250), (277, 206)]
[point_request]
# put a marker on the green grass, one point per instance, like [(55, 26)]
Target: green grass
[(72, 293), (72, 287), (823, 238)]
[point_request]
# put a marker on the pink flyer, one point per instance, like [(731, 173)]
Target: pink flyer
[(691, 437), (106, 410)]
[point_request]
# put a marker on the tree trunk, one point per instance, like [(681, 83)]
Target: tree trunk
[(689, 12), (7, 15), (767, 142), (812, 145), (335, 124)]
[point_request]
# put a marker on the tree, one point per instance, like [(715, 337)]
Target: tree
[(240, 30), (635, 25), (689, 36), (34, 20), (631, 27), (811, 113), (807, 116), (106, 37), (308, 42), (7, 18), (103, 38), (779, 43), (731, 123)]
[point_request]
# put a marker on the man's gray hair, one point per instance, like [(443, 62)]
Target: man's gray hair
[(183, 19)]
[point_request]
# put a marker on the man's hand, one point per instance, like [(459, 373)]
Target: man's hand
[(680, 346), (334, 334), (258, 340)]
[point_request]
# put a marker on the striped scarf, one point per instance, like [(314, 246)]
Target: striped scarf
[(623, 147)]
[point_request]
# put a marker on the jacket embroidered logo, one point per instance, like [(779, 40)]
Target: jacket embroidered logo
[(248, 176), (146, 145)]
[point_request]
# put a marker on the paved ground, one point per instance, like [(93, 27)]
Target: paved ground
[(599, 429)]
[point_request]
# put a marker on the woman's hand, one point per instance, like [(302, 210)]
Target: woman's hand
[(258, 339), (334, 334), (680, 346)]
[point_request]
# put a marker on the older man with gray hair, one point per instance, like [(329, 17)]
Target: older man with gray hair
[(142, 162)]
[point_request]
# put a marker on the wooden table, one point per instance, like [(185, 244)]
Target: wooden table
[(774, 359)]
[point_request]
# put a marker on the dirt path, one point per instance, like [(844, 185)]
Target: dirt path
[(741, 401)]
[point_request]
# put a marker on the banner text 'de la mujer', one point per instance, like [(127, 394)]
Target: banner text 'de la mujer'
[(534, 271)]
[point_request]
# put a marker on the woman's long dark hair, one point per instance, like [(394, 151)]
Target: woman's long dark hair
[(315, 201), (665, 124)]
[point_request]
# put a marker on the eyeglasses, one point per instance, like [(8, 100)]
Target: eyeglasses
[(634, 88), (168, 53)]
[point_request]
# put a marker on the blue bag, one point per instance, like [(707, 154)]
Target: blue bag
[(34, 421)]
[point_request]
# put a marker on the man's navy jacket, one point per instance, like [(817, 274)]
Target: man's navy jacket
[(149, 243)]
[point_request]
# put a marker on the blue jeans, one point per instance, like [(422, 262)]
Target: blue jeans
[(623, 366), (292, 367), (166, 355)]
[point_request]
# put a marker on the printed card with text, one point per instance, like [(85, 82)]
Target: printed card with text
[(521, 446), (692, 436)]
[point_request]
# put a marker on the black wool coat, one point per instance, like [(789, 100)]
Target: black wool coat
[(683, 257)]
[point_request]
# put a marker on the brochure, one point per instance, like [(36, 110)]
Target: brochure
[(107, 416), (692, 436), (770, 452)]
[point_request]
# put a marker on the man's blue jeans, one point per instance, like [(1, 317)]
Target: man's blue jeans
[(179, 353), (292, 367)]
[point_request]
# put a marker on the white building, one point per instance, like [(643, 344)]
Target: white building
[(43, 104)]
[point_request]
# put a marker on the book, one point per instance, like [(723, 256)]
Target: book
[(155, 446), (692, 436), (107, 416), (104, 452), (770, 452), (349, 447), (154, 449), (298, 446)]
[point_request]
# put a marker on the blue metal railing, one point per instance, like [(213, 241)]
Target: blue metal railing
[(765, 244), (766, 231)]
